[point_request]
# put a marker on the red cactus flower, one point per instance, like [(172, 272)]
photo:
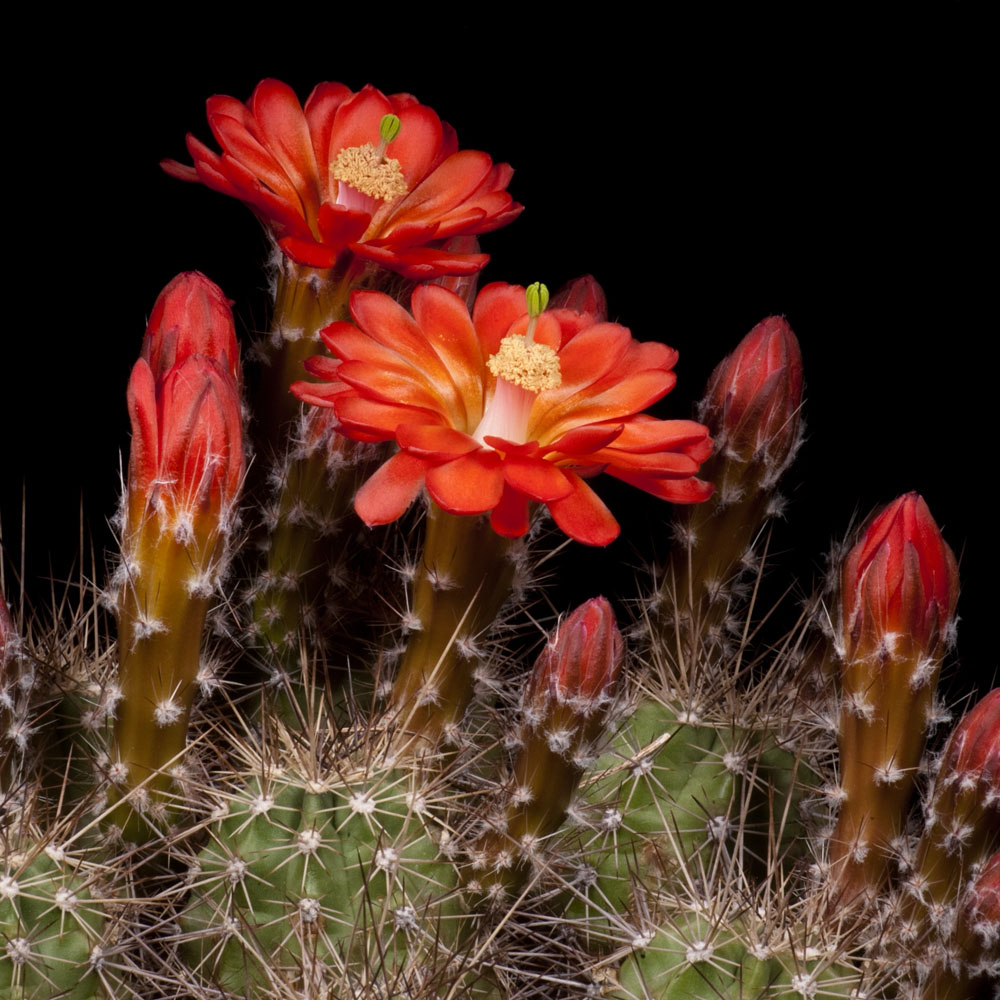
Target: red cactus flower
[(581, 662), (901, 579), (493, 411), (378, 176), (191, 316), (754, 396)]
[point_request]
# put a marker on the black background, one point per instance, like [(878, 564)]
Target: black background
[(833, 171)]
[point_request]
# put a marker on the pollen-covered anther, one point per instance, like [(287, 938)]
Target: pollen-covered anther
[(699, 951), (527, 364), (369, 171)]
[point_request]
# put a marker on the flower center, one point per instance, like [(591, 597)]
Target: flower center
[(523, 362), (523, 369), (368, 170)]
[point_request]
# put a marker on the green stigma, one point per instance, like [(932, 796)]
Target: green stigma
[(538, 298), (388, 128)]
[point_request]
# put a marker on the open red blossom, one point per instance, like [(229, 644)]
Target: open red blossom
[(481, 443), (325, 181)]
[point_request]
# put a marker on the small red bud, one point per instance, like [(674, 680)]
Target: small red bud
[(580, 664), (900, 580), (582, 295), (971, 760), (754, 397), (191, 316)]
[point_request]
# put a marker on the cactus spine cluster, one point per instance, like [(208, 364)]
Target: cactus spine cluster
[(357, 785)]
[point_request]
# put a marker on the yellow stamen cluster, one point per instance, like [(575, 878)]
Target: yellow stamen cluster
[(367, 170), (522, 362)]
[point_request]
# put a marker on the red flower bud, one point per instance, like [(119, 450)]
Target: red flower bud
[(900, 580), (754, 397), (191, 316), (582, 295), (580, 664), (187, 438), (971, 760)]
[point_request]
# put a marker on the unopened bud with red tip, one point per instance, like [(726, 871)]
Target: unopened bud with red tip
[(186, 462), (899, 588), (582, 295), (579, 665), (566, 706), (752, 406), (191, 316), (899, 585), (962, 826), (185, 470), (754, 398), (966, 954)]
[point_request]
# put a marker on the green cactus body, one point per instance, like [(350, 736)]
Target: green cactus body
[(668, 799), (324, 887), (51, 930), (664, 793), (695, 959)]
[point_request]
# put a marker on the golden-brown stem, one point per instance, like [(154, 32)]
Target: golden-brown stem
[(161, 617), (462, 581)]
